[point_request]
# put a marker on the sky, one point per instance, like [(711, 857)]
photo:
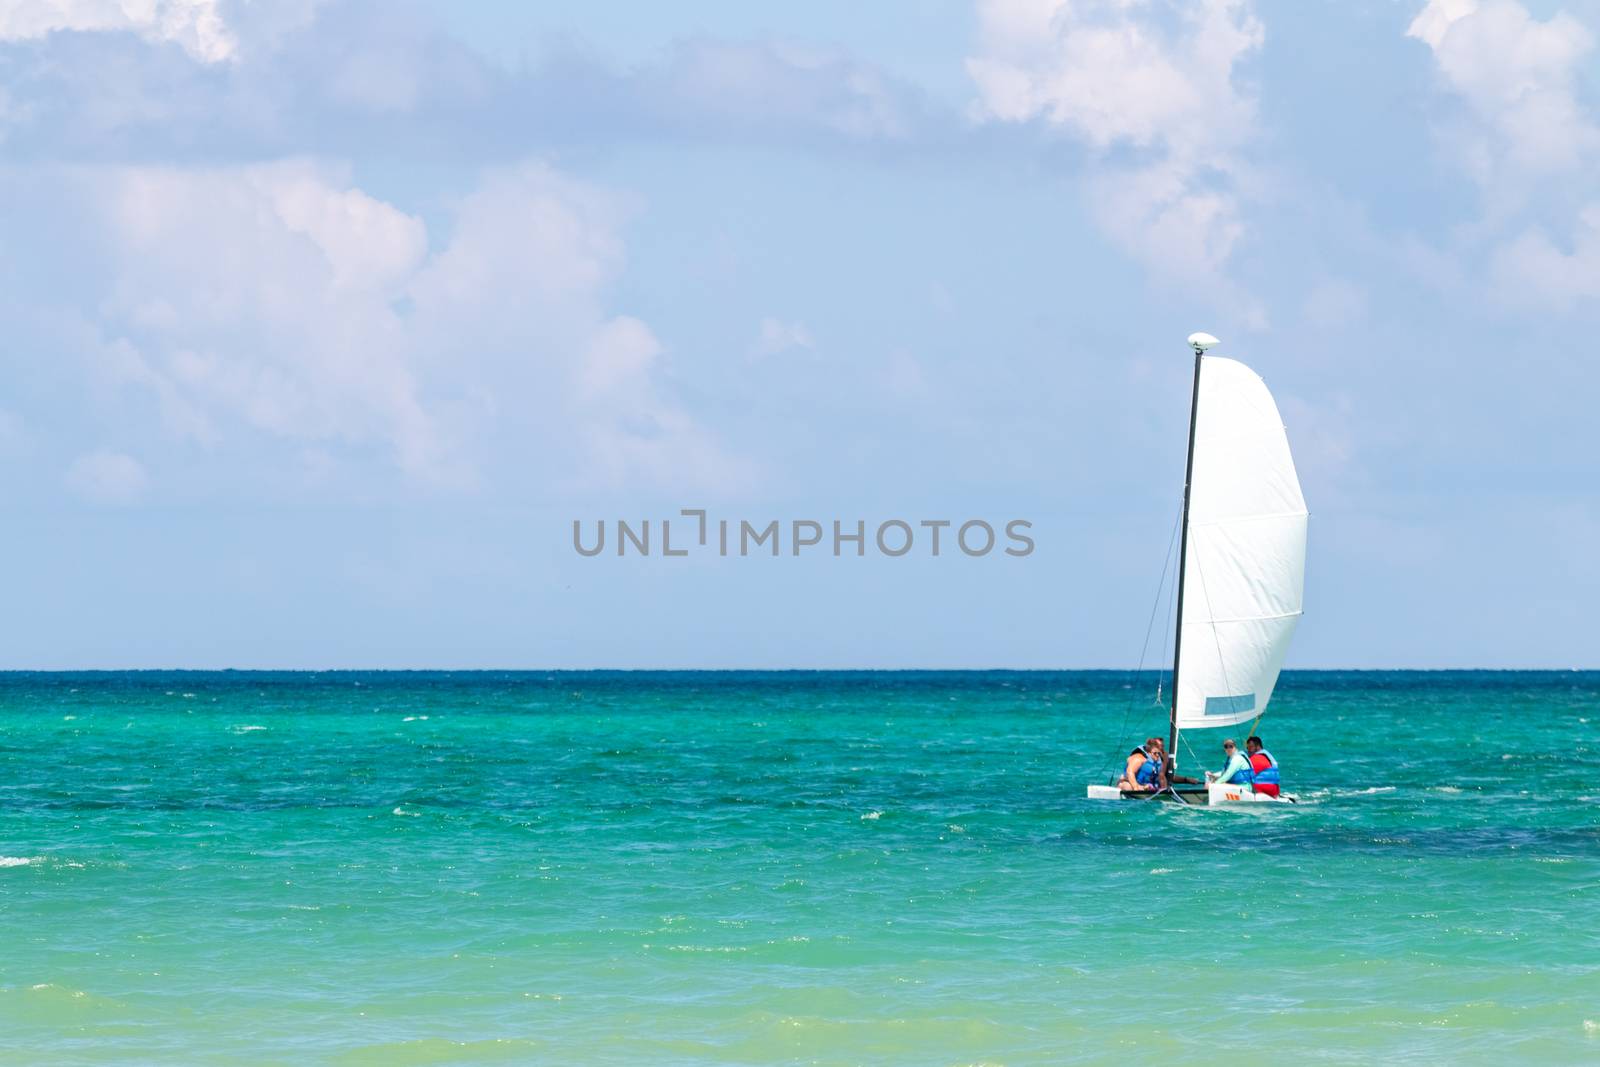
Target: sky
[(321, 322)]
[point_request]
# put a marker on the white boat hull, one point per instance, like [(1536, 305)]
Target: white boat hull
[(1216, 794), (1221, 793)]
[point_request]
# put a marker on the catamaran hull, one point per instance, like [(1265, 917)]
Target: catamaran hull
[(1219, 793), (1214, 795)]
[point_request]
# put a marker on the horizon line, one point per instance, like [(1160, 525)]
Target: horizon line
[(764, 670)]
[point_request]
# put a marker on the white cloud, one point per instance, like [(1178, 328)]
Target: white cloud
[(775, 337), (1531, 269), (517, 298), (620, 355), (107, 477), (260, 80), (281, 298), (1526, 139), (628, 430), (195, 25), (771, 84), (264, 294), (527, 236), (1142, 79), (1109, 71), (1518, 77)]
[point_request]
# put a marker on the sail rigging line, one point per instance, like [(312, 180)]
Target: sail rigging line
[(1161, 586), (1188, 746), (1166, 565), (1179, 797), (1166, 630)]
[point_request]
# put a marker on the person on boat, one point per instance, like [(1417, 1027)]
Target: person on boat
[(1237, 770), (1142, 774), (1263, 767)]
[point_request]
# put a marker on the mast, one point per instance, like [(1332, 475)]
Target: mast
[(1199, 342)]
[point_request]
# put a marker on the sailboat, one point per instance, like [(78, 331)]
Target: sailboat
[(1241, 565)]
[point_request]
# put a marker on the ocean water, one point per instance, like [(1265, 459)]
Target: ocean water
[(832, 868)]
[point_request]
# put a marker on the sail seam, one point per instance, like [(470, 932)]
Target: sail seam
[(1251, 518), (1224, 437), (1245, 618)]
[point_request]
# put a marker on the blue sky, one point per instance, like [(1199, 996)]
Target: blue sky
[(321, 321)]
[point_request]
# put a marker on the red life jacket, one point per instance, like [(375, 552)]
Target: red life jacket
[(1266, 772)]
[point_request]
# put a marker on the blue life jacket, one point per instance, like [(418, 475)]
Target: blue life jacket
[(1242, 776), (1269, 776), (1149, 770)]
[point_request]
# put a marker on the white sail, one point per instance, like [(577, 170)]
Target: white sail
[(1244, 566)]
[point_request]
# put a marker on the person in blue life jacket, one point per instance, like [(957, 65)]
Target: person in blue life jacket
[(1143, 771), (1236, 771), (1263, 767)]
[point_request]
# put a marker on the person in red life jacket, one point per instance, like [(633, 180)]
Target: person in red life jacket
[(1263, 767)]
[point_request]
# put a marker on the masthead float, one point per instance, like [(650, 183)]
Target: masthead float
[(1241, 565)]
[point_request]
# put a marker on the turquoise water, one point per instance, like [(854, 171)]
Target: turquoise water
[(798, 868)]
